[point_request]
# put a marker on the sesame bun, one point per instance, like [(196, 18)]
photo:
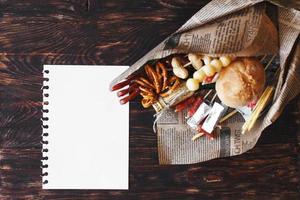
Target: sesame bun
[(241, 82)]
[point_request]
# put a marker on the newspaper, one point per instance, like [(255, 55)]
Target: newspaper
[(238, 28)]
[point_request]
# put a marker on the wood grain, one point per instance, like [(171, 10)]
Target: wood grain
[(33, 33)]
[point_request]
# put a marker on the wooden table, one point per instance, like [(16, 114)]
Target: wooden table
[(33, 33)]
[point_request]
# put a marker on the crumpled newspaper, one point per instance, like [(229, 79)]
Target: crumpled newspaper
[(228, 27)]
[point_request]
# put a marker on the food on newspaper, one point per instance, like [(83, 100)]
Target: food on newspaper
[(210, 92), (240, 83), (205, 86)]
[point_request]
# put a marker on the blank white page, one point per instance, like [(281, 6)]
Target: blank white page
[(87, 129)]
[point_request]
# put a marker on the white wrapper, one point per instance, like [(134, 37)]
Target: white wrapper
[(214, 116), (200, 114)]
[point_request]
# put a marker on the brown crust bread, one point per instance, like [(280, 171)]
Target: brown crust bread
[(241, 82)]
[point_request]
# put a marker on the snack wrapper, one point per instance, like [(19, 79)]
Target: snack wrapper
[(236, 28), (199, 115), (212, 119)]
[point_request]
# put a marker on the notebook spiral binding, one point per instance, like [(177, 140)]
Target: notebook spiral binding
[(45, 127)]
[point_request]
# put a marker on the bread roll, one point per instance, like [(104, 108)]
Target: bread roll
[(241, 82)]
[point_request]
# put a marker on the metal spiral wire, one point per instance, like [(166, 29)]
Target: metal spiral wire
[(45, 126)]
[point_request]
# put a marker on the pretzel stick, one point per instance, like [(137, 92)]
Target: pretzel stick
[(147, 69), (157, 81), (228, 116), (249, 121), (146, 92), (144, 82), (263, 58), (270, 61), (244, 127), (260, 108), (152, 75), (174, 83), (198, 135), (147, 102), (161, 69)]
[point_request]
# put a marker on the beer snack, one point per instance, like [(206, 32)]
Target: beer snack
[(216, 36), (240, 83), (213, 117), (161, 81), (201, 113), (154, 83)]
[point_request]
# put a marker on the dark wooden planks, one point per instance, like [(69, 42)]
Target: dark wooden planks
[(259, 173), (33, 33), (124, 28), (249, 176)]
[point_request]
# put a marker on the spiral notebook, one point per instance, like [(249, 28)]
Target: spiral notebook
[(85, 129)]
